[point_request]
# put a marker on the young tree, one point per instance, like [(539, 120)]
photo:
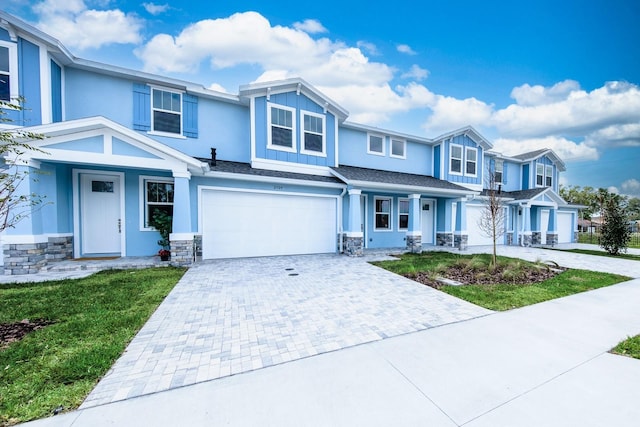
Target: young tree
[(14, 206), (493, 217), (615, 233)]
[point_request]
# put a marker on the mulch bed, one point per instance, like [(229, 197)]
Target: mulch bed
[(473, 277), (11, 332)]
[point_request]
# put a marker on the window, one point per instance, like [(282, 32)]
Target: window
[(471, 160), (397, 148), (166, 111), (539, 175), (376, 145), (403, 214), (8, 71), (313, 134), (497, 171), (456, 159), (383, 213), (282, 128), (158, 194), (548, 176)]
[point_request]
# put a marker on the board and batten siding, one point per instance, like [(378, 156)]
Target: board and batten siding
[(464, 141)]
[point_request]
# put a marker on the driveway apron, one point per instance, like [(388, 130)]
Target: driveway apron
[(225, 317)]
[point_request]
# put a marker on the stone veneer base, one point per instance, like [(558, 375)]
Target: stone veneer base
[(461, 241), (414, 244), (353, 246), (30, 258), (444, 239)]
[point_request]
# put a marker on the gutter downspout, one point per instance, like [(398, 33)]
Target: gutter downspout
[(340, 229)]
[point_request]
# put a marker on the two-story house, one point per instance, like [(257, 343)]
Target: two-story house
[(276, 169)]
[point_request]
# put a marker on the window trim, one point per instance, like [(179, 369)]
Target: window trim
[(400, 213), (467, 161), (548, 175), (404, 148), (294, 139), (303, 131), (538, 166), (376, 153), (495, 171), (142, 189), (14, 87), (390, 213), (181, 114), (451, 158)]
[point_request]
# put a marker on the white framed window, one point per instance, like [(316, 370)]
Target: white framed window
[(455, 159), (375, 144), (403, 214), (382, 207), (548, 176), (282, 127), (398, 148), (155, 193), (539, 174), (471, 161), (166, 112), (498, 169), (8, 71), (313, 134)]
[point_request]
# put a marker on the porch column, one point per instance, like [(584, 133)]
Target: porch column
[(536, 225), (414, 232), (354, 237), (182, 237), (525, 238), (460, 236), (552, 231), (24, 244), (444, 230)]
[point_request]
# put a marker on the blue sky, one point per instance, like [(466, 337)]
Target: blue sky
[(558, 74)]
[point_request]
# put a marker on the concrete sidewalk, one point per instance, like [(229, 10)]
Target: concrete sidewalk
[(543, 365)]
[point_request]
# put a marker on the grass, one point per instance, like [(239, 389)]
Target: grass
[(593, 238), (629, 347), (502, 296), (95, 318), (601, 253)]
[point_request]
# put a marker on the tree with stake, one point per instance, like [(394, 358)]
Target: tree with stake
[(493, 217)]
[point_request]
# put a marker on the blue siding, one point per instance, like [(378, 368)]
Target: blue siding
[(464, 141), (511, 177), (353, 152), (28, 84), (93, 144), (436, 161), (121, 148), (300, 103), (56, 92), (141, 107), (190, 116)]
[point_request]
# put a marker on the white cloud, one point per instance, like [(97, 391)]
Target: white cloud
[(416, 72), (626, 135), (539, 95), (367, 47), (406, 49), (567, 150), (79, 27), (217, 87), (451, 113), (155, 9), (310, 26), (631, 187)]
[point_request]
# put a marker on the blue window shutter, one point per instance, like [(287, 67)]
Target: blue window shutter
[(141, 107), (56, 92), (190, 116)]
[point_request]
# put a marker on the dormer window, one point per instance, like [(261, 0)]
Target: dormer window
[(539, 175), (548, 176), (455, 166), (282, 128), (8, 71)]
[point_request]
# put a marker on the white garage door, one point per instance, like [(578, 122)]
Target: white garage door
[(244, 224), (565, 227), (477, 236)]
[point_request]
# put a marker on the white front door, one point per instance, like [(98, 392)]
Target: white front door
[(426, 217), (100, 214)]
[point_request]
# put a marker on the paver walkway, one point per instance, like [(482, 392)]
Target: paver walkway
[(231, 316)]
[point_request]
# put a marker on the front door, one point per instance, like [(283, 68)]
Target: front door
[(427, 221), (100, 214)]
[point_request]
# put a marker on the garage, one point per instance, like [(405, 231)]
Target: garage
[(249, 223), (565, 227), (476, 235)]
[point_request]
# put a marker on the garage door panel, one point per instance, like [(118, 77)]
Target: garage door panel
[(239, 224), (565, 227), (476, 235)]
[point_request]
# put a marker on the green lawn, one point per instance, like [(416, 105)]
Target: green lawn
[(629, 347), (501, 296), (601, 253), (95, 318)]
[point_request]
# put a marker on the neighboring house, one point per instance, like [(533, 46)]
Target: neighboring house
[(276, 169)]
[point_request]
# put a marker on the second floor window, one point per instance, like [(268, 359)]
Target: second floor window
[(456, 159), (8, 71), (548, 176), (471, 161), (313, 134), (167, 111), (281, 128), (376, 145), (497, 171), (398, 148), (539, 175)]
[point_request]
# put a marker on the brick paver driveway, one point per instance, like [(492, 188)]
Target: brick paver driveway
[(230, 316)]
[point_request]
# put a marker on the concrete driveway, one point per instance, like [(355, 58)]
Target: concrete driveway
[(231, 316)]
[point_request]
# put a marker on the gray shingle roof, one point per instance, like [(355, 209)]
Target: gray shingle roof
[(246, 169), (530, 154), (518, 195), (352, 173)]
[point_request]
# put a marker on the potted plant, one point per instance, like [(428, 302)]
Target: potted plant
[(163, 222)]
